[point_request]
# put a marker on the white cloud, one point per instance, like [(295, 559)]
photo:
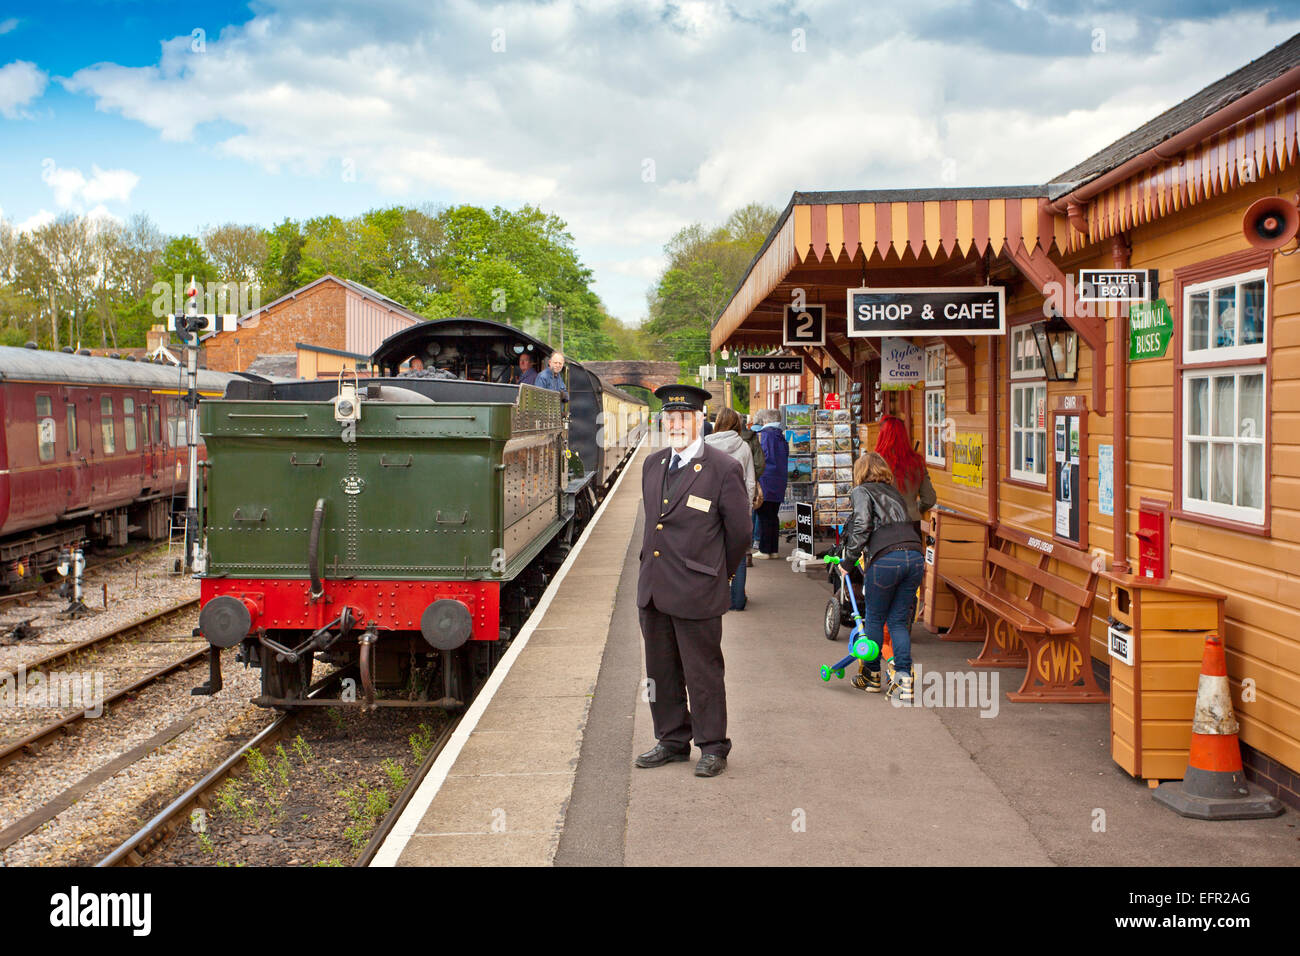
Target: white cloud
[(411, 98), (21, 82), (35, 221), (72, 189), (8, 26)]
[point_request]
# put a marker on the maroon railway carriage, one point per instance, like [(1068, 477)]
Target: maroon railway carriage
[(92, 450)]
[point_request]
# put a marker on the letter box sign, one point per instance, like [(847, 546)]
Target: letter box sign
[(1117, 285), (977, 310)]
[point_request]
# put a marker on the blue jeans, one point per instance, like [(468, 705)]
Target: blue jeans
[(889, 593), (738, 600), (755, 530)]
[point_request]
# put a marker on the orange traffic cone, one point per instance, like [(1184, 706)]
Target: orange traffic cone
[(1215, 786)]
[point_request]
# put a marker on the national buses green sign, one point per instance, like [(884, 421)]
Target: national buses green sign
[(1150, 327)]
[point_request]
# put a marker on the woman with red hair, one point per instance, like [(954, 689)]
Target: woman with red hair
[(911, 479)]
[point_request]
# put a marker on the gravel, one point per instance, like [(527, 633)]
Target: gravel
[(136, 589)]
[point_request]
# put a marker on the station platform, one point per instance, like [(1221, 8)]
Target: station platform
[(540, 771)]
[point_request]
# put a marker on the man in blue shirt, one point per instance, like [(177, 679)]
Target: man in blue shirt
[(527, 374), (550, 376)]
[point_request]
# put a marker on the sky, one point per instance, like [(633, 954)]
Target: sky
[(630, 120)]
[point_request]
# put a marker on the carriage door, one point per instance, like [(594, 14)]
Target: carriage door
[(106, 440), (133, 445), (155, 442), (76, 449)]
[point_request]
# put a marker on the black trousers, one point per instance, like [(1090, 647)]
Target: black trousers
[(682, 653), (769, 530)]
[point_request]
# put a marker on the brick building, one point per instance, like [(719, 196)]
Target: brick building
[(327, 325)]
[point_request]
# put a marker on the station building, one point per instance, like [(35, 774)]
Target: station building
[(1189, 465), (319, 329)]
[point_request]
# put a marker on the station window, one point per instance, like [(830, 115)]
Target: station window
[(45, 427), (1225, 422), (1028, 409), (72, 428), (1224, 319), (128, 422), (106, 425), (936, 405)]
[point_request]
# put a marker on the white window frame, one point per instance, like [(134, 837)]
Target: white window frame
[(934, 426), (1023, 346), (936, 365), (936, 371), (1214, 355), (1207, 506), (1020, 474)]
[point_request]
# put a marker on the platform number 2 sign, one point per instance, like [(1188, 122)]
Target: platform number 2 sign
[(805, 325)]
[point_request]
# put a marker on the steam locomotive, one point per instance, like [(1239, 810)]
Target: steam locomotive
[(401, 526)]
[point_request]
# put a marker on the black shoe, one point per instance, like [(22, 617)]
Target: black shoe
[(710, 765), (660, 756)]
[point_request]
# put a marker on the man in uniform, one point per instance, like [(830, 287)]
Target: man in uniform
[(697, 531)]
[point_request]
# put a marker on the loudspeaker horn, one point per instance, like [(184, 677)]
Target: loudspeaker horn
[(1271, 222)]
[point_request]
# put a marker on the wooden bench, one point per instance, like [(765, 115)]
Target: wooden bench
[(1012, 618)]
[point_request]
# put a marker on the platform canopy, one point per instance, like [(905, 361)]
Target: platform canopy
[(828, 242)]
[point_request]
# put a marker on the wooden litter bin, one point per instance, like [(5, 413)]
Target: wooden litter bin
[(1156, 642), (958, 550)]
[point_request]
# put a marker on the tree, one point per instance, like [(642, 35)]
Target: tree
[(704, 267), (237, 252)]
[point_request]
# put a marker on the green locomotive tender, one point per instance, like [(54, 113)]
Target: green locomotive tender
[(401, 526)]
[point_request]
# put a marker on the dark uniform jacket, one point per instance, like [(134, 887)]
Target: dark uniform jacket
[(695, 542)]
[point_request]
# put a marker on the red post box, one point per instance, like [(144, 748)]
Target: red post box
[(1153, 539)]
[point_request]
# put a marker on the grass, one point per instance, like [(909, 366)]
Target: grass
[(366, 807), (396, 774), (421, 743)]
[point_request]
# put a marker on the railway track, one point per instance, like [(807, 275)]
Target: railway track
[(52, 661), (141, 848)]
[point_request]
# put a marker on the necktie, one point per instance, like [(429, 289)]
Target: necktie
[(676, 465)]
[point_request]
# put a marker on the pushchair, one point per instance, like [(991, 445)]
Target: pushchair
[(839, 609), (861, 647)]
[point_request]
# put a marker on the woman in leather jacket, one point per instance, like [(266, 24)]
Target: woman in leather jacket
[(881, 531)]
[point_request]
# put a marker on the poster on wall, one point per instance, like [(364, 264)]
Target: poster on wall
[(902, 364), (1067, 493), (968, 459)]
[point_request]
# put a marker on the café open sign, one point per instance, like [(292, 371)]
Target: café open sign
[(977, 310)]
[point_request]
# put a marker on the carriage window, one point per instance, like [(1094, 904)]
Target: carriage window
[(106, 425), (72, 428), (128, 422), (45, 427), (157, 424)]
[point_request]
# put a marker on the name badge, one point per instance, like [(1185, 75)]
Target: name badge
[(699, 504)]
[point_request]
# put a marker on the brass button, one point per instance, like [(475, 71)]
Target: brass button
[(659, 527), (665, 501), (656, 554)]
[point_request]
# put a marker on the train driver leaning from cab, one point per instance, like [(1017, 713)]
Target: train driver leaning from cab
[(550, 376), (417, 364)]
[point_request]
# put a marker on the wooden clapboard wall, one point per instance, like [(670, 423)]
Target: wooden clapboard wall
[(1260, 573)]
